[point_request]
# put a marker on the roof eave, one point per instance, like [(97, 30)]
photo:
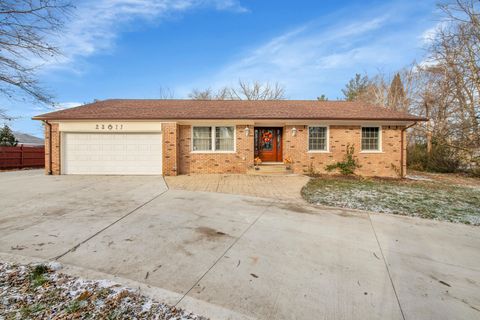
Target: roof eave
[(415, 119)]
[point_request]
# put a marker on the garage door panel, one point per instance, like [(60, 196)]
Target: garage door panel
[(112, 153)]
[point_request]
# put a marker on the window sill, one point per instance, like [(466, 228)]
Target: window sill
[(371, 151), (318, 151), (210, 152)]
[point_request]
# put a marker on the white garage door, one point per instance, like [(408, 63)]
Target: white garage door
[(112, 153)]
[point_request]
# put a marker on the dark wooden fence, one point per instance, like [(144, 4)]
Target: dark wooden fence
[(22, 157)]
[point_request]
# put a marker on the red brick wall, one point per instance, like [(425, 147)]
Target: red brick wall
[(55, 169), (237, 162), (386, 164), (178, 158), (170, 148), (404, 153)]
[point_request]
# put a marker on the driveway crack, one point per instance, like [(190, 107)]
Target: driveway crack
[(225, 252), (386, 266), (110, 225)]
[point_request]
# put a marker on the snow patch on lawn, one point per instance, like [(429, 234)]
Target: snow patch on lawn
[(421, 199), (36, 292)]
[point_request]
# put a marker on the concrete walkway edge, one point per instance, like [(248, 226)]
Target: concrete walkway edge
[(110, 225), (386, 267), (224, 253)]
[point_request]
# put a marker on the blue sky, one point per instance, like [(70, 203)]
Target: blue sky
[(132, 48)]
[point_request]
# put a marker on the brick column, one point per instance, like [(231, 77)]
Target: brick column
[(404, 152), (55, 156), (170, 148), (245, 146)]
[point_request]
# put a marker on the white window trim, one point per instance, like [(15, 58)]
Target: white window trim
[(327, 135), (380, 144), (213, 140)]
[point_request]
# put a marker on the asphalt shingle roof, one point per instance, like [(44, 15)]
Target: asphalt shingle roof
[(138, 109)]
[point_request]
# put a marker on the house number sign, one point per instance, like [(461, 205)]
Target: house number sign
[(108, 127)]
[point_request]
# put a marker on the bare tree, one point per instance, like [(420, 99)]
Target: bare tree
[(26, 30), (445, 88), (244, 91), (205, 94), (257, 91), (384, 90), (4, 115), (456, 51), (374, 91), (431, 100), (166, 93)]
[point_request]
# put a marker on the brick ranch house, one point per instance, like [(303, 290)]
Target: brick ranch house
[(174, 137)]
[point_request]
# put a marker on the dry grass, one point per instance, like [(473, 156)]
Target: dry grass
[(426, 199)]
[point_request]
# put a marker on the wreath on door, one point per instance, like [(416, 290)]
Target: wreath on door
[(267, 137)]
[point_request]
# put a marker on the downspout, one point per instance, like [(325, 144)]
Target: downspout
[(402, 153), (49, 146)]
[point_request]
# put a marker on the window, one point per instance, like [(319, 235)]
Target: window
[(317, 139), (224, 139), (202, 138), (213, 139), (370, 139)]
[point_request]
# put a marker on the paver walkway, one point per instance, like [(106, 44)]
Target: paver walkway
[(275, 187)]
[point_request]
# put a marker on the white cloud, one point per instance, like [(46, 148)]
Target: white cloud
[(95, 24), (431, 33), (304, 45), (315, 57), (230, 5), (298, 56)]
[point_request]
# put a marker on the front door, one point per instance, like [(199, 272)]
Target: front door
[(268, 144)]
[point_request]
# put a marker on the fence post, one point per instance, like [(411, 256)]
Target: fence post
[(21, 152)]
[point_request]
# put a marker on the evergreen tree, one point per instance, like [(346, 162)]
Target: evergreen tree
[(7, 138), (355, 87), (396, 94), (322, 98)]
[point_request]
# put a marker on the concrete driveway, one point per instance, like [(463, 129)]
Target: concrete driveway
[(235, 256)]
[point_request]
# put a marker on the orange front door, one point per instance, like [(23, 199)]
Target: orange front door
[(268, 144)]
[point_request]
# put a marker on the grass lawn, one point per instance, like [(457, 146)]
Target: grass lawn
[(426, 199)]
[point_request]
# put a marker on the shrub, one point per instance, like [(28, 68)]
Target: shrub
[(349, 163), (441, 159), (417, 157), (311, 172), (475, 172)]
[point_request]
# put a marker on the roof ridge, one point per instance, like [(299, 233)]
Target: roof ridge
[(239, 100)]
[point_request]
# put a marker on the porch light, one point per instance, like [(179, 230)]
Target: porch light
[(247, 131), (294, 132)]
